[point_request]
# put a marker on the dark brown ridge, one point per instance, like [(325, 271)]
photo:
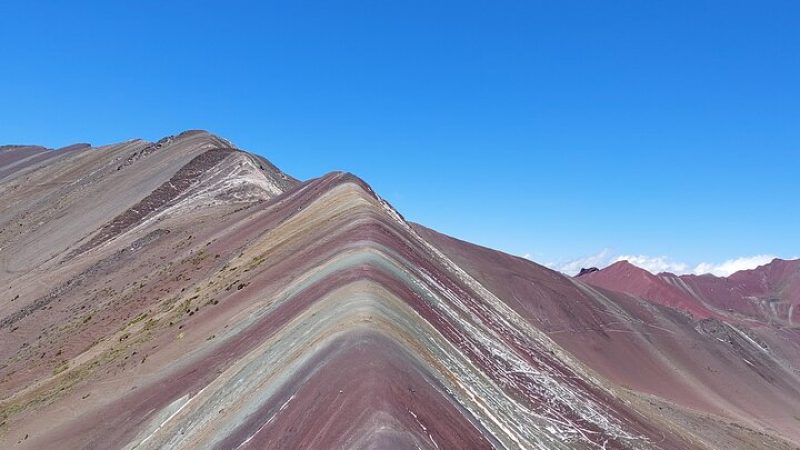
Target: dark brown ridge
[(184, 178)]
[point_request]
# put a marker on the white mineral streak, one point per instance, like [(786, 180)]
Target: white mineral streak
[(236, 179), (505, 318)]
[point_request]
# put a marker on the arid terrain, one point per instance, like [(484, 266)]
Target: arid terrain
[(187, 294)]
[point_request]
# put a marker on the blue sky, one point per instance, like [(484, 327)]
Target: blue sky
[(558, 130)]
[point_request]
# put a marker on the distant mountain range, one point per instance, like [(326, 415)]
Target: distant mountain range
[(769, 294), (187, 294)]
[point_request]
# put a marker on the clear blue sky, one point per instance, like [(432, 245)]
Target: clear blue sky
[(555, 129)]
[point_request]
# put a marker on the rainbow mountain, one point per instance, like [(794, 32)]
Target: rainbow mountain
[(186, 294)]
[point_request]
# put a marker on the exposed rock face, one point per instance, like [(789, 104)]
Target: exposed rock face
[(585, 271), (186, 294)]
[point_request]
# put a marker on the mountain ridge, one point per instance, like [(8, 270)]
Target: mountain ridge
[(312, 314)]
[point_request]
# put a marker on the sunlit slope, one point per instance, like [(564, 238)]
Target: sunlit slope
[(223, 304)]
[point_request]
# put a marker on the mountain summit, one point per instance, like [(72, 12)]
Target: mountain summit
[(187, 294)]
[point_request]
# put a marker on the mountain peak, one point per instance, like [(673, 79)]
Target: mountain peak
[(623, 264), (626, 267)]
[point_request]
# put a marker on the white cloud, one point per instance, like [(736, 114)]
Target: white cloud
[(655, 264), (658, 264), (572, 267), (730, 266)]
